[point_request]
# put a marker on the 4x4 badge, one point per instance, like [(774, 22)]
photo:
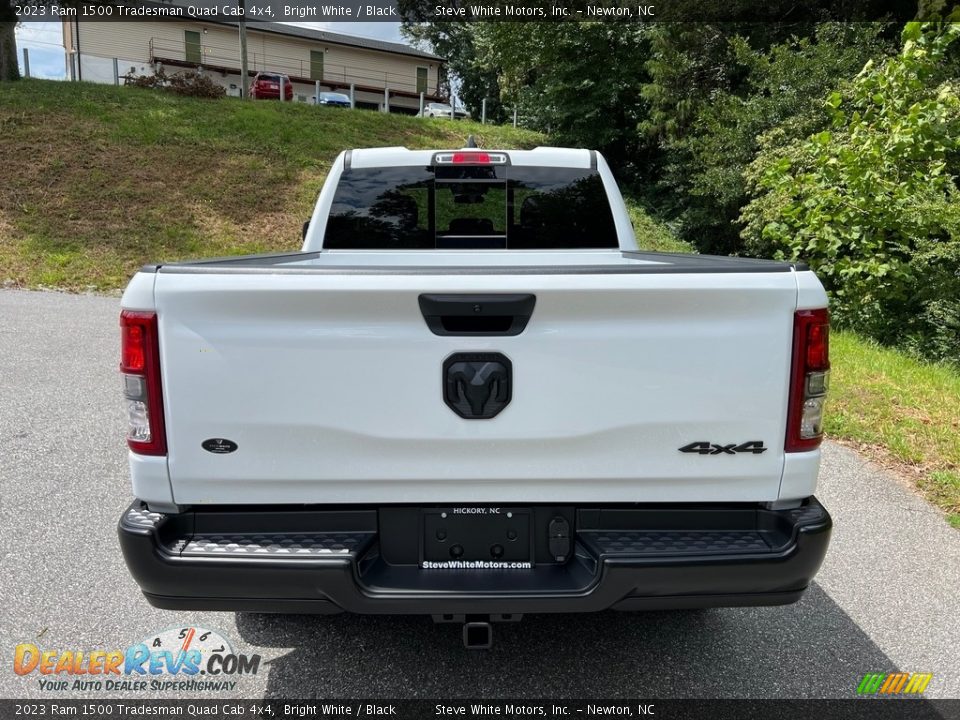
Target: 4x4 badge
[(702, 447)]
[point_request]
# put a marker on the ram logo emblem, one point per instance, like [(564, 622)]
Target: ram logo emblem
[(477, 386)]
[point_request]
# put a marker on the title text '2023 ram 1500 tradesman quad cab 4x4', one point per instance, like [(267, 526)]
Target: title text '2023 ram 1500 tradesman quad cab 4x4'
[(470, 396)]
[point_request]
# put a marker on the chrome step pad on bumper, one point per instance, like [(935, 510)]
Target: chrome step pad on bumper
[(294, 545), (186, 541), (665, 543)]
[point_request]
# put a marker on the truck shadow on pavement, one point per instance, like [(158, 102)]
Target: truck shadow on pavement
[(811, 649)]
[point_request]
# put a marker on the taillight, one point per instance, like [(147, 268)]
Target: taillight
[(809, 379), (140, 366)]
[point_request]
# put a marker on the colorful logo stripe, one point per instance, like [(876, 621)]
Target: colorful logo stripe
[(898, 683)]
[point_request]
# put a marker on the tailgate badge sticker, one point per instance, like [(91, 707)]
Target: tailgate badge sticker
[(703, 447), (219, 446), (477, 386)]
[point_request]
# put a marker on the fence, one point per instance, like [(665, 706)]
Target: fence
[(228, 59), (109, 70)]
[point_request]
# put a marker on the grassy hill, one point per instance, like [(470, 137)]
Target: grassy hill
[(101, 179)]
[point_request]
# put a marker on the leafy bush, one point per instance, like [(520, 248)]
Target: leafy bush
[(189, 84), (873, 202)]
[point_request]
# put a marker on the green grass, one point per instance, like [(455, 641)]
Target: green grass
[(653, 234), (109, 178), (899, 409)]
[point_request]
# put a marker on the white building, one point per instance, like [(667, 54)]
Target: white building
[(307, 56)]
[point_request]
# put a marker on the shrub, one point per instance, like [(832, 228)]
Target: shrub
[(157, 80), (194, 84), (190, 84), (873, 202)]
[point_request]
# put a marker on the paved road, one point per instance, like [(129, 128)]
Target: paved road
[(887, 597)]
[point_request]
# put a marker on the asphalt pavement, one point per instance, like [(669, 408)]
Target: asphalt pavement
[(887, 597)]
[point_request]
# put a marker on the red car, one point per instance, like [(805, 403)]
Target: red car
[(266, 86)]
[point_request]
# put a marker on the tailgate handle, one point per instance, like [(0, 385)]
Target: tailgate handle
[(477, 315)]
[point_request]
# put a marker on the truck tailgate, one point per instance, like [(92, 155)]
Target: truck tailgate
[(331, 387)]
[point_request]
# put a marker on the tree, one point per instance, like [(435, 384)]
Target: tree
[(456, 42), (9, 69), (578, 81), (715, 88)]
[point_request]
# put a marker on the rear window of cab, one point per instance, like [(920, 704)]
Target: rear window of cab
[(470, 207)]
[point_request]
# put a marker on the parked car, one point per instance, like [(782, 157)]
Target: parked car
[(483, 402), (441, 110), (334, 99), (266, 86)]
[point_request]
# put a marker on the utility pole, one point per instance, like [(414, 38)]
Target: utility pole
[(244, 78)]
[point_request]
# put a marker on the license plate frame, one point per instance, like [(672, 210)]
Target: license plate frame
[(477, 531)]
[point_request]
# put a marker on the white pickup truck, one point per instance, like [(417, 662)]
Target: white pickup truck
[(470, 396)]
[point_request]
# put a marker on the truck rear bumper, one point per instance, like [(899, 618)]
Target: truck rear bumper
[(365, 560)]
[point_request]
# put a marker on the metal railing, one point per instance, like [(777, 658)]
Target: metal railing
[(228, 58)]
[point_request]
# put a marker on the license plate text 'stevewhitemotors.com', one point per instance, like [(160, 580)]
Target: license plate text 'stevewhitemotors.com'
[(476, 538)]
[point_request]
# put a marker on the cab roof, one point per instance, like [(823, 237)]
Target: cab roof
[(539, 157)]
